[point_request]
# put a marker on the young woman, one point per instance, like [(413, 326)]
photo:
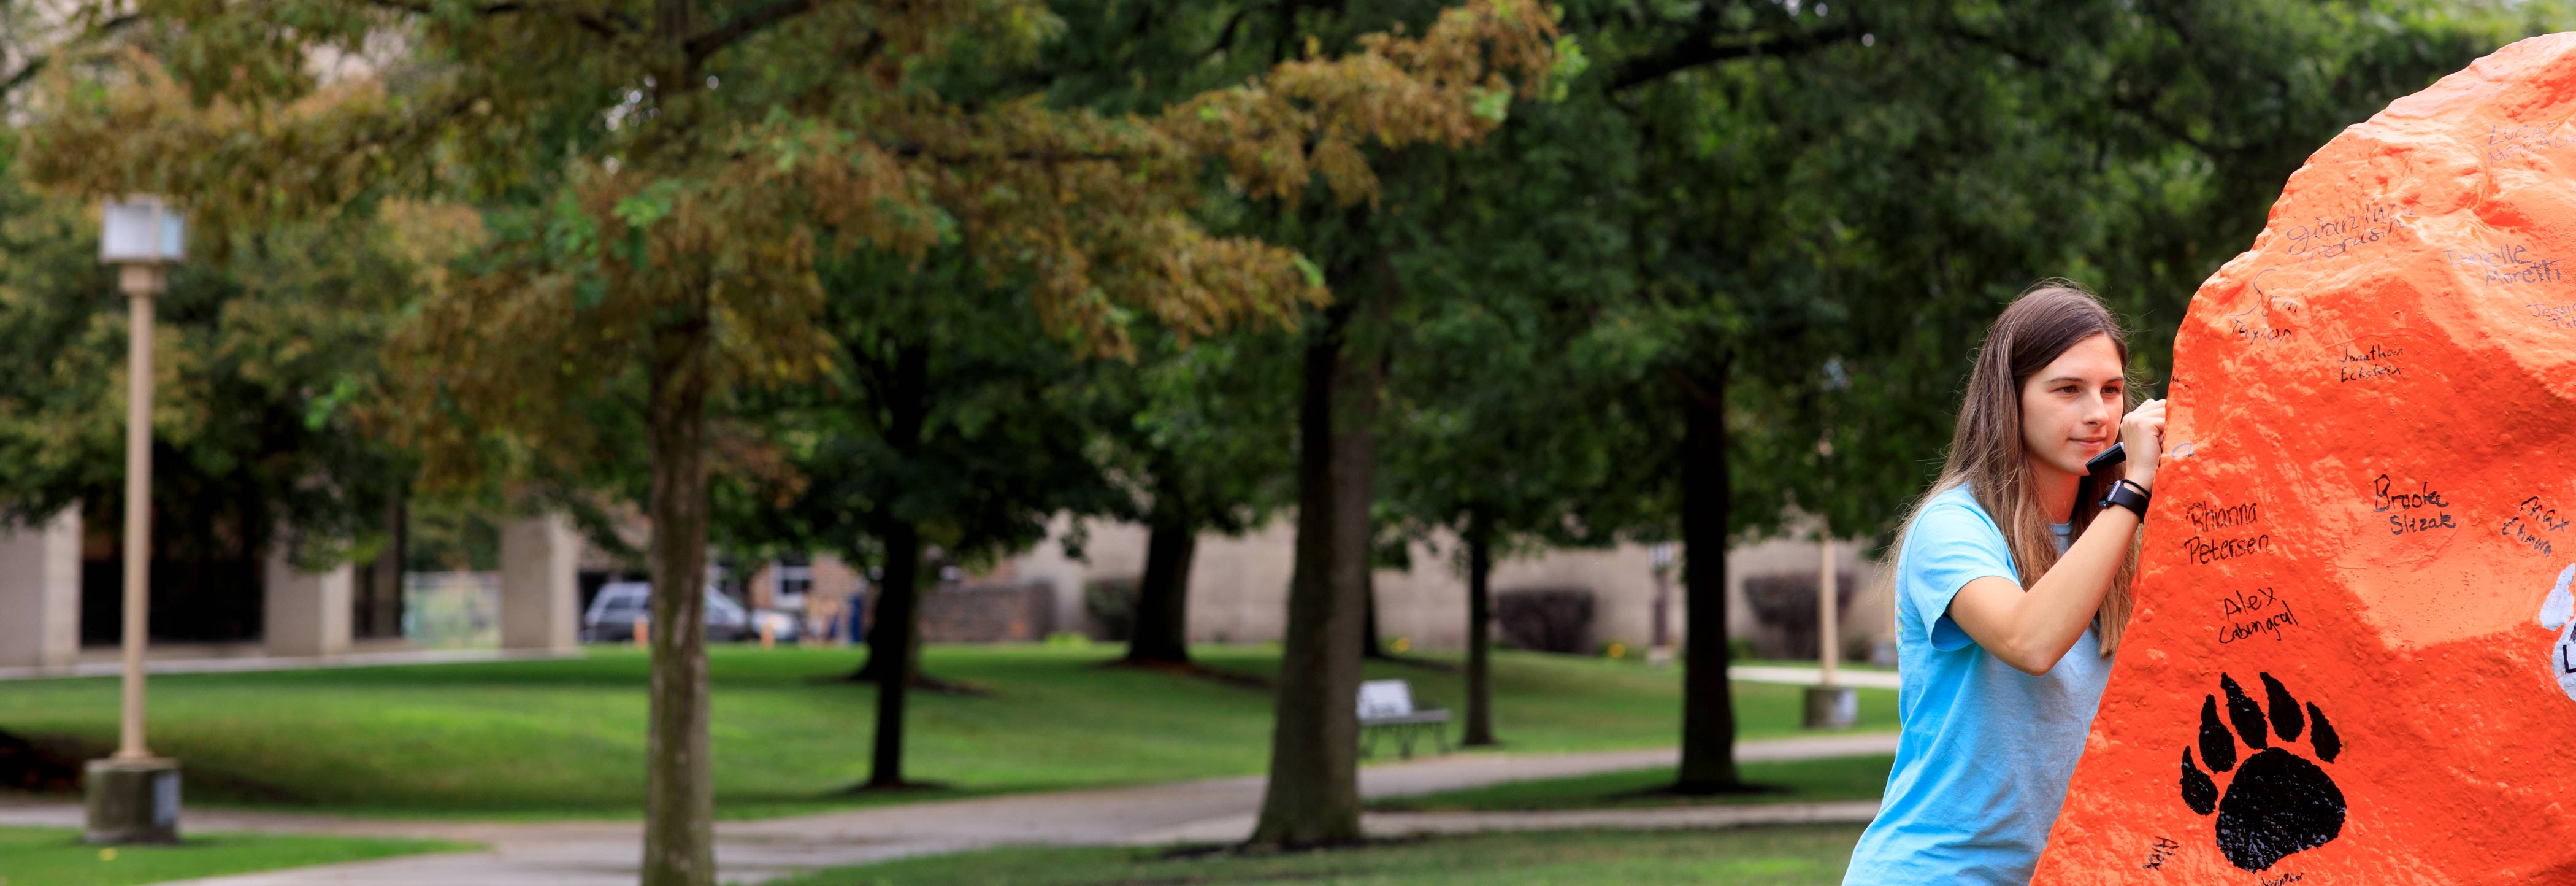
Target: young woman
[(2004, 628)]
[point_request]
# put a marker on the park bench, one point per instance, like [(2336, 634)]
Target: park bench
[(1387, 706)]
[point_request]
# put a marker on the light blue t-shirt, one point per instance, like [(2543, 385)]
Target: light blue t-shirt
[(1982, 765)]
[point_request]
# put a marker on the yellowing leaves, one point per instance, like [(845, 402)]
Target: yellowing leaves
[(1309, 117), (707, 210)]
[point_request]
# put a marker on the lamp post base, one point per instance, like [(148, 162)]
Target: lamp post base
[(132, 800), (1832, 707)]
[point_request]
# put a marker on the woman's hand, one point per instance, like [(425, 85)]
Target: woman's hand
[(2142, 433)]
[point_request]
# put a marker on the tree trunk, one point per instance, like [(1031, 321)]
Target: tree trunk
[(897, 614), (1161, 632), (895, 599), (1371, 644), (679, 792), (380, 593), (1480, 627), (1708, 705), (911, 622), (907, 411), (1313, 793), (390, 619), (877, 642)]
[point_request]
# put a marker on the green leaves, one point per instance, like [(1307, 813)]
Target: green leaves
[(653, 204), (319, 410), (1314, 273), (569, 231), (269, 374), (1570, 63)]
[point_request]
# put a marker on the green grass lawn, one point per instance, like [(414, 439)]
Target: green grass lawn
[(565, 738), (57, 857), (1798, 781), (1782, 856)]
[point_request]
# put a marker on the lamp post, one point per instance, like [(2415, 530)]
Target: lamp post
[(1659, 649), (1830, 705), (133, 797), (1828, 606)]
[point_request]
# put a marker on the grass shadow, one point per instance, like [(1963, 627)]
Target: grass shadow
[(1196, 671), (42, 765), (1675, 792)]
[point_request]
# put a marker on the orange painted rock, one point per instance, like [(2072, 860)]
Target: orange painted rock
[(2351, 661)]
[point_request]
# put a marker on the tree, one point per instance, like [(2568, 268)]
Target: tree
[(951, 422), (1491, 444), (1843, 201), (1202, 435), (1312, 796), (1505, 432), (680, 167), (268, 367)]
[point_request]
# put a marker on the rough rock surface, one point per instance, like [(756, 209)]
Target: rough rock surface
[(2351, 661)]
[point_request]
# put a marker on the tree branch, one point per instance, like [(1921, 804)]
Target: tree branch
[(2137, 105), (744, 25), (910, 151), (2005, 48), (36, 63), (1702, 48), (1225, 37), (593, 23), (25, 73), (1287, 31), (2141, 108)]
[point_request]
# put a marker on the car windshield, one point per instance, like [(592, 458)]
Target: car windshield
[(626, 602), (618, 601)]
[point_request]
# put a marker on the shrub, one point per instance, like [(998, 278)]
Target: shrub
[(1546, 620), (1111, 604), (1784, 611)]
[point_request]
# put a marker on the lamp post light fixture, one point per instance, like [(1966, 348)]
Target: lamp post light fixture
[(133, 797)]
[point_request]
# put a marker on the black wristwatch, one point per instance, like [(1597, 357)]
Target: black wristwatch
[(2128, 495)]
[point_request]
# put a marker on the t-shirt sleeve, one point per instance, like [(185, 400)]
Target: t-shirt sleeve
[(1950, 547)]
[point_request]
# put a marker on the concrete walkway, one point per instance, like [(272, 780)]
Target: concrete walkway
[(1216, 810), (193, 661)]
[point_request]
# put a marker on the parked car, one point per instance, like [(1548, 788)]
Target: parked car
[(612, 614)]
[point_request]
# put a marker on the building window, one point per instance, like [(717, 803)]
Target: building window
[(789, 582)]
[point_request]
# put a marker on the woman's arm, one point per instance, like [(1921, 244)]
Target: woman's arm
[(2032, 629)]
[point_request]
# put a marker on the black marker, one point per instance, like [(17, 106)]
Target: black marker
[(2110, 458)]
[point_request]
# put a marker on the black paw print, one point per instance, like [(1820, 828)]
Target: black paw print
[(2278, 804)]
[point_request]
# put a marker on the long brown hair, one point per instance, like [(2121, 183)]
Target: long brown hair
[(1986, 450)]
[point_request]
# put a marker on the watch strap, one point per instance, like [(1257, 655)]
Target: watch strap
[(2128, 495)]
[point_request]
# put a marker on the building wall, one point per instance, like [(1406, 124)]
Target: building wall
[(1239, 586)]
